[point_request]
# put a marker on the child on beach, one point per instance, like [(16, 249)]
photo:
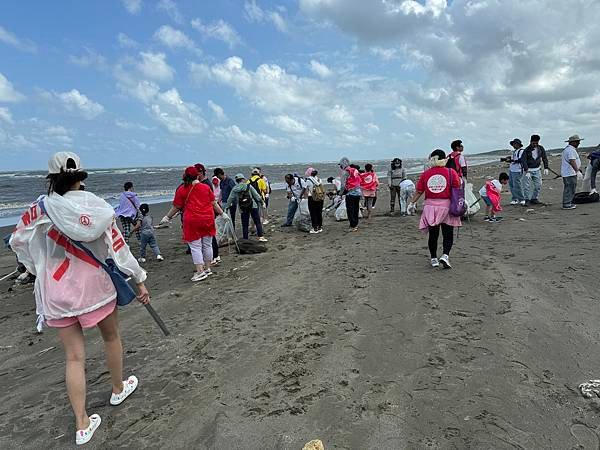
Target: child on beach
[(407, 190), (144, 225), (490, 194)]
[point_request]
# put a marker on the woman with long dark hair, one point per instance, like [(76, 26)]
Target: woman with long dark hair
[(72, 291), (437, 183)]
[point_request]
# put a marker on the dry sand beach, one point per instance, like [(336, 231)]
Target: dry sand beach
[(351, 338)]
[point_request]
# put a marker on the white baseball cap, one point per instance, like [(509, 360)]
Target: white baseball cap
[(59, 161)]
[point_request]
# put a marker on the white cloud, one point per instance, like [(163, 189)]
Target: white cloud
[(320, 69), (173, 38), (89, 58), (340, 117), (76, 102), (242, 139), (217, 111), (219, 30), (256, 14), (132, 6), (5, 115), (8, 93), (155, 67), (176, 115), (372, 128), (167, 107), (11, 39), (288, 124), (270, 87), (170, 7), (125, 41)]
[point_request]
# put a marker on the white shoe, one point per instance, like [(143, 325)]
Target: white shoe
[(313, 231), (208, 272), (593, 191), (263, 239), (84, 436), (159, 258), (320, 230), (522, 202), (435, 262), (199, 276), (445, 261), (266, 222), (514, 202), (142, 260), (129, 385), (216, 261)]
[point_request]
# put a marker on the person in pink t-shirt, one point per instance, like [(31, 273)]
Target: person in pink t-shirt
[(437, 183), (369, 184)]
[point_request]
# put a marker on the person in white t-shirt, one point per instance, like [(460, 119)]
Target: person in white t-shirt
[(570, 170), (407, 191), (517, 173)]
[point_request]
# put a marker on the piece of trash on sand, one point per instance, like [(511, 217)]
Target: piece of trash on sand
[(531, 210), (589, 388), (315, 444), (522, 220), (46, 350)]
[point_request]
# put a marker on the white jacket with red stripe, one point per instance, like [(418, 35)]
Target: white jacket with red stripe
[(69, 282)]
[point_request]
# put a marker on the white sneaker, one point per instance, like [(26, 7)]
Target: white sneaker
[(129, 385), (522, 202), (159, 258), (593, 191), (266, 222), (208, 272), (142, 260), (320, 230), (312, 231), (199, 276), (435, 262), (84, 436), (445, 261), (216, 261), (263, 239), (514, 202)]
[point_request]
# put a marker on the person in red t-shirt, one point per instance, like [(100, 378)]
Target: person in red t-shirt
[(436, 184), (198, 203)]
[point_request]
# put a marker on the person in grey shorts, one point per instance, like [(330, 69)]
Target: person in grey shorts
[(570, 170)]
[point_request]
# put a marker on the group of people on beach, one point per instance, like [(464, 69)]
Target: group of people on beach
[(68, 237)]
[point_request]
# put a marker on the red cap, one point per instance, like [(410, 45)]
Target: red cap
[(191, 172), (200, 168)]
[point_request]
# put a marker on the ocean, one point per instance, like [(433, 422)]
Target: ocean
[(158, 184)]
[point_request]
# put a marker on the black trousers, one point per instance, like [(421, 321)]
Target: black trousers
[(316, 213), (352, 209), (447, 236)]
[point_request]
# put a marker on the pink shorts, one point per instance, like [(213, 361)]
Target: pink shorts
[(87, 320)]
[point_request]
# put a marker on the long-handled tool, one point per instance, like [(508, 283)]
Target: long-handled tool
[(9, 275), (157, 319), (556, 175)]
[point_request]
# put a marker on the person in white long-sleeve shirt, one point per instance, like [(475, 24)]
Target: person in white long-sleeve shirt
[(72, 290)]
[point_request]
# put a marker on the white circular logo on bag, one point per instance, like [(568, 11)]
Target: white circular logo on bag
[(437, 184)]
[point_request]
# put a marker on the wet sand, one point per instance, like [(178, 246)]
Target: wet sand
[(350, 338)]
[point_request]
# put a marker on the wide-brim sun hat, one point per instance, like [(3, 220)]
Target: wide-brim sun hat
[(58, 163), (574, 138), (240, 176), (516, 141)]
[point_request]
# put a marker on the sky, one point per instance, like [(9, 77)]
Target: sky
[(130, 83)]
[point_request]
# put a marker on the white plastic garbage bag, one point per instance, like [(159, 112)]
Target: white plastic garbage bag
[(302, 218), (471, 200), (225, 232), (342, 214)]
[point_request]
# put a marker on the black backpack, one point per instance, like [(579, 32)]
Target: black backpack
[(245, 199)]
